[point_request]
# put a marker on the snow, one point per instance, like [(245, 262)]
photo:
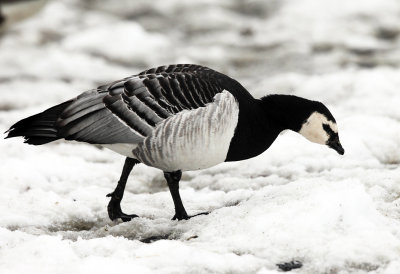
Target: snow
[(297, 201)]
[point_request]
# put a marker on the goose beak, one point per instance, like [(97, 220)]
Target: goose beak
[(336, 145)]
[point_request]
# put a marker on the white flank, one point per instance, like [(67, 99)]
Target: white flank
[(312, 129), (123, 149), (192, 139)]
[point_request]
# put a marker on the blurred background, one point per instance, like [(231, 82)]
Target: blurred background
[(64, 42), (296, 201)]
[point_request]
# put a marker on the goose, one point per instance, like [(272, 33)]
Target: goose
[(178, 118)]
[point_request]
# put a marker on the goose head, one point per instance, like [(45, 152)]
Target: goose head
[(320, 127), (311, 119)]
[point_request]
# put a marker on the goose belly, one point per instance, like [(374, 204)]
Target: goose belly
[(192, 139), (123, 149)]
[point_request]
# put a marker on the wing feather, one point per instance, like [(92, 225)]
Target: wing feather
[(87, 119), (130, 118)]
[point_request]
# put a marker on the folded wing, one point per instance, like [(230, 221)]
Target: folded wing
[(127, 111)]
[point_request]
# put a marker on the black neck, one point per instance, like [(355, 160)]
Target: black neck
[(288, 111), (261, 121)]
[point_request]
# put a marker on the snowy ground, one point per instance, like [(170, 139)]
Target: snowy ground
[(297, 201)]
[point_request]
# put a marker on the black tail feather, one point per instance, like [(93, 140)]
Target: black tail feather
[(40, 128)]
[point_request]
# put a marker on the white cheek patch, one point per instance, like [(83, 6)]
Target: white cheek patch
[(312, 129), (333, 126)]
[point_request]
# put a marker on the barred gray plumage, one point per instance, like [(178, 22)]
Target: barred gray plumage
[(127, 111), (194, 139)]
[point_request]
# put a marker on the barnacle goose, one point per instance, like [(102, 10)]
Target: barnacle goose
[(178, 118)]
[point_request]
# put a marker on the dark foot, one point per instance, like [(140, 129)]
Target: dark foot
[(184, 216), (114, 209)]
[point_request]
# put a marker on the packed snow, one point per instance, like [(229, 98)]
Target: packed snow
[(298, 201)]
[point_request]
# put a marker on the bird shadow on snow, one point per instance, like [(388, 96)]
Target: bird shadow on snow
[(142, 229)]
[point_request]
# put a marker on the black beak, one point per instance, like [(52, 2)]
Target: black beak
[(336, 146)]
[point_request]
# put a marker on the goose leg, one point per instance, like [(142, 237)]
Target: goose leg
[(173, 179), (114, 206)]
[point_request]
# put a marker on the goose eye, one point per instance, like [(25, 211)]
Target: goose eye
[(327, 128)]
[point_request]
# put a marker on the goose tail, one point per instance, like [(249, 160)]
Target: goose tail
[(40, 128)]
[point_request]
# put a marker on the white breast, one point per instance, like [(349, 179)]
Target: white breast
[(192, 139)]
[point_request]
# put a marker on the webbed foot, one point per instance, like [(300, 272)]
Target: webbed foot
[(114, 209)]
